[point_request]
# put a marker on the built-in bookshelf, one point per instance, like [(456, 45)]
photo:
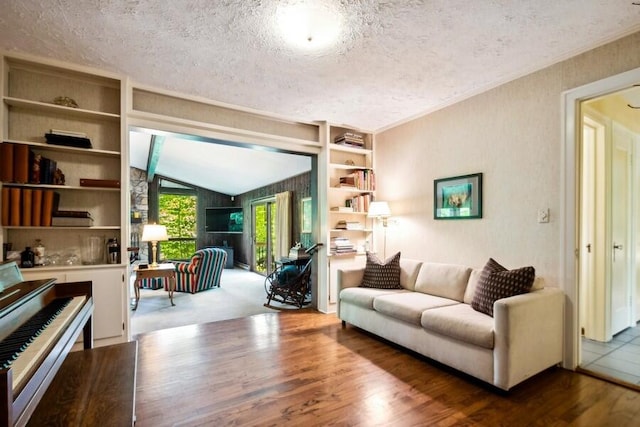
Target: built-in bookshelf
[(61, 165)]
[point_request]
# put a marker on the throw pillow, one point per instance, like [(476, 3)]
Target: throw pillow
[(382, 275), (497, 282)]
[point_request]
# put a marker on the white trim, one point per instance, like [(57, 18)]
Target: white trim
[(568, 213)]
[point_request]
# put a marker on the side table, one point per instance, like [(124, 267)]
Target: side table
[(162, 270)]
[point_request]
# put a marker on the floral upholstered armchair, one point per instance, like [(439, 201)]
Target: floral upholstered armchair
[(202, 272)]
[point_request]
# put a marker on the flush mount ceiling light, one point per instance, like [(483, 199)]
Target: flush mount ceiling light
[(309, 26)]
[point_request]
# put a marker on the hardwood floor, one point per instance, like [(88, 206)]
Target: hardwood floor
[(303, 368)]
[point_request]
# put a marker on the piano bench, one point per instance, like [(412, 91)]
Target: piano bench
[(106, 375)]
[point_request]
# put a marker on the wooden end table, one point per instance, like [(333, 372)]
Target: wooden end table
[(162, 270)]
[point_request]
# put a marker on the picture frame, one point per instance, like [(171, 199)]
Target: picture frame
[(306, 216), (458, 197)]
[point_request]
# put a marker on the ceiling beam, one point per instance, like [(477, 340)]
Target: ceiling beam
[(155, 147)]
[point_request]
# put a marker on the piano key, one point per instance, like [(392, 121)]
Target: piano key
[(30, 358)]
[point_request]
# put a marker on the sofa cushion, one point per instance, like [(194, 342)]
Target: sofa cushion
[(462, 323), (364, 297), (409, 269), (443, 280), (408, 306), (382, 275), (496, 282), (538, 284)]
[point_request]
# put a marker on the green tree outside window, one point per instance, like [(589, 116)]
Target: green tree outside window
[(178, 213)]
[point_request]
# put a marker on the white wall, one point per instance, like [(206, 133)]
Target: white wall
[(513, 135)]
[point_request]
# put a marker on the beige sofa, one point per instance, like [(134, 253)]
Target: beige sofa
[(432, 315)]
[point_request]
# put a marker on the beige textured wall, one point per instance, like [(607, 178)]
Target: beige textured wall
[(513, 135)]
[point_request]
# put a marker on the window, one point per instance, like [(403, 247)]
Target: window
[(177, 211)]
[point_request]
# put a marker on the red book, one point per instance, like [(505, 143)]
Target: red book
[(14, 219), (21, 164), (5, 205), (47, 208), (26, 207), (6, 162), (36, 205)]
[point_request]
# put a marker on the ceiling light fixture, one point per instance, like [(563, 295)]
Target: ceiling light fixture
[(308, 26)]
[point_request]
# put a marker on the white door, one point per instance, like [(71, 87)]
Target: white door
[(621, 204)]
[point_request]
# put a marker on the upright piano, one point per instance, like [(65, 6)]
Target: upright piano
[(40, 320)]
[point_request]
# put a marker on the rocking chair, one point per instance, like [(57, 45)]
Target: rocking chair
[(291, 283)]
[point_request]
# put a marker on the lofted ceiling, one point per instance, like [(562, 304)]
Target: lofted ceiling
[(389, 61), (214, 165)]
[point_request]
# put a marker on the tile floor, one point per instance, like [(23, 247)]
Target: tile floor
[(618, 358)]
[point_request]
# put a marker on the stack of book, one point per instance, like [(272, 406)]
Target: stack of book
[(349, 225), (350, 139), (342, 246), (68, 138), (71, 219)]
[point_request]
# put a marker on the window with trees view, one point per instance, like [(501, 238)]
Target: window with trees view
[(178, 213)]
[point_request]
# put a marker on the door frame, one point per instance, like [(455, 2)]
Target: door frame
[(570, 102)]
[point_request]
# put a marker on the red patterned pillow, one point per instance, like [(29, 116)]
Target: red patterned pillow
[(382, 275), (496, 282)]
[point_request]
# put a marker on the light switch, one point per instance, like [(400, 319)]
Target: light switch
[(543, 215)]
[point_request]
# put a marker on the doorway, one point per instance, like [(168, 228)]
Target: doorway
[(608, 238), (263, 220)]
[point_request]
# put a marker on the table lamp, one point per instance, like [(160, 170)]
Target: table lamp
[(154, 233), (381, 211)]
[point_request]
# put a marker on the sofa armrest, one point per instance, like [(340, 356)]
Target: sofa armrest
[(349, 278), (528, 335)]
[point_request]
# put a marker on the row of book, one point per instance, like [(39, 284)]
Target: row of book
[(341, 246), (360, 180), (27, 207), (359, 203), (19, 164), (351, 139), (34, 207)]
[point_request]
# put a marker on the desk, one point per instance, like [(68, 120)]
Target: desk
[(162, 270)]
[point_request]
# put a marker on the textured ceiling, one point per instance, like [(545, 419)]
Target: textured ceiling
[(392, 60)]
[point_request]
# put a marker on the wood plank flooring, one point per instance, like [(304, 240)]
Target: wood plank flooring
[(303, 368)]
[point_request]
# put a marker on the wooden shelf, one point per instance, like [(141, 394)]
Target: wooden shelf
[(65, 149), (59, 109), (60, 187)]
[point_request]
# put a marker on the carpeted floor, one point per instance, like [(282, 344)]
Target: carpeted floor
[(241, 294)]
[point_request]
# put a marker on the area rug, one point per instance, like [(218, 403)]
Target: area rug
[(241, 294)]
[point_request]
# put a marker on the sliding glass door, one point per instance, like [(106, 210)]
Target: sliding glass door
[(264, 236)]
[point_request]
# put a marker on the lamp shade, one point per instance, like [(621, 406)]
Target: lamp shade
[(379, 210), (154, 233)]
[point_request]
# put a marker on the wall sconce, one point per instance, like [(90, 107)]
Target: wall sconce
[(154, 233), (381, 211)]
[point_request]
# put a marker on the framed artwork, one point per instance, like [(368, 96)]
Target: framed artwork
[(459, 197), (306, 217)]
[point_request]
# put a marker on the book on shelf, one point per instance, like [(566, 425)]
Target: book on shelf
[(349, 225), (108, 183), (68, 133), (21, 164), (69, 221), (71, 214), (6, 162), (36, 203), (361, 179), (342, 209), (68, 140), (6, 197)]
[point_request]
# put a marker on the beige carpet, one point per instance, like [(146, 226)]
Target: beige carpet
[(241, 294)]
